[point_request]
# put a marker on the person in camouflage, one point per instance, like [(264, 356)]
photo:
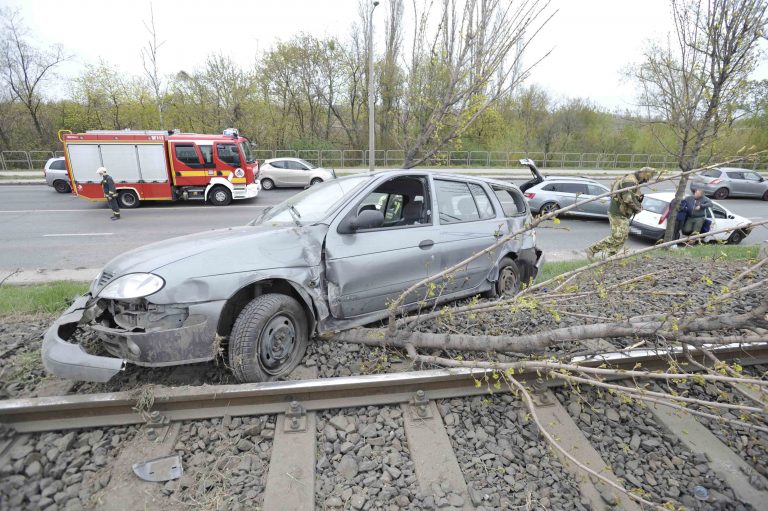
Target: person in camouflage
[(623, 207)]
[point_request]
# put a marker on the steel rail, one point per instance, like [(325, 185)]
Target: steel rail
[(28, 415)]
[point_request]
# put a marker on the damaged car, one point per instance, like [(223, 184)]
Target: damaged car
[(330, 258)]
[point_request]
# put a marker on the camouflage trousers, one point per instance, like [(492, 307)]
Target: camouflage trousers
[(619, 234)]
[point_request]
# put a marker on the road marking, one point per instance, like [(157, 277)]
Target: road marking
[(78, 234), (132, 211)]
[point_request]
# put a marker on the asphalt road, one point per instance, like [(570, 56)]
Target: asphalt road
[(46, 230)]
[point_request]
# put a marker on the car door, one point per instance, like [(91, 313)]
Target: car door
[(227, 158), (719, 219), (278, 172), (468, 223), (595, 208), (297, 173), (753, 184), (564, 192), (738, 183), (368, 269)]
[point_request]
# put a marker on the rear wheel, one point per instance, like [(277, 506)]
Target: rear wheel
[(721, 193), (765, 195), (315, 181), (548, 208), (736, 237), (127, 199), (269, 338), (220, 196), (508, 283), (61, 186), (267, 184)]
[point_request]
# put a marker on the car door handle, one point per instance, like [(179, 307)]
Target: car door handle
[(426, 244)]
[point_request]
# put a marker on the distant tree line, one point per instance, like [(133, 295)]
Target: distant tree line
[(434, 91)]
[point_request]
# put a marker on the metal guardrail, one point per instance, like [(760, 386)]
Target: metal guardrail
[(345, 158)]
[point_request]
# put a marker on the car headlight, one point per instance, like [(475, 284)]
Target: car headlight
[(133, 285)]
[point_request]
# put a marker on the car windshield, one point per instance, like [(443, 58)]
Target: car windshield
[(309, 165), (313, 204), (246, 148), (654, 205)]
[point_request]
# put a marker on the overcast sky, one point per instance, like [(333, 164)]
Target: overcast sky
[(592, 41)]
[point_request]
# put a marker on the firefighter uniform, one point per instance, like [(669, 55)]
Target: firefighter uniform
[(623, 207), (110, 192)]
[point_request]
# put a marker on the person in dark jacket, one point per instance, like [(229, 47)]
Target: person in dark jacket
[(691, 217), (110, 192)]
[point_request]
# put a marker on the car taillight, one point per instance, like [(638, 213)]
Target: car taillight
[(529, 195), (664, 216), (715, 181)]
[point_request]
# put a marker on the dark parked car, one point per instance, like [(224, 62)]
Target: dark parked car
[(330, 258), (727, 182)]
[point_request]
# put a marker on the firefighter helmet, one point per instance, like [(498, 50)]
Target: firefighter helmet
[(102, 171)]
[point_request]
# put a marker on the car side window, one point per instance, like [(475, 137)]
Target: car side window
[(278, 164), (482, 201), (58, 165), (512, 203), (719, 213), (736, 175), (576, 188), (751, 176), (552, 187), (711, 173), (187, 154), (596, 190), (403, 201), (455, 202)]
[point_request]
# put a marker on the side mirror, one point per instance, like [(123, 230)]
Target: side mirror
[(368, 219)]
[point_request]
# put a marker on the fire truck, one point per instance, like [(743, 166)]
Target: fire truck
[(162, 166)]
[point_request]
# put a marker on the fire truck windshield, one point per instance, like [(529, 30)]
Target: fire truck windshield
[(246, 148)]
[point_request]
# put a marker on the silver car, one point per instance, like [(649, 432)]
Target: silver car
[(725, 182), (56, 175), (287, 172), (559, 192), (330, 258)]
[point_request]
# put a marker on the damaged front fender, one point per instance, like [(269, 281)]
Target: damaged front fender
[(70, 361)]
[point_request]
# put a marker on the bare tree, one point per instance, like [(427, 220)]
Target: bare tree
[(464, 56), (693, 82), (24, 67), (149, 61)]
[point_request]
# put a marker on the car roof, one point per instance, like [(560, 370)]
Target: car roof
[(437, 174), (285, 158), (576, 179), (735, 168)]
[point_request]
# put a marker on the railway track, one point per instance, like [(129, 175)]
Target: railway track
[(418, 440)]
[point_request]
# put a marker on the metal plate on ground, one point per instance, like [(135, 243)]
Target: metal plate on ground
[(159, 469)]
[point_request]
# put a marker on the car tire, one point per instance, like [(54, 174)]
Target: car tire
[(735, 238), (315, 181), (765, 196), (127, 199), (269, 338), (721, 193), (220, 196), (267, 184), (508, 282), (548, 208), (61, 186)]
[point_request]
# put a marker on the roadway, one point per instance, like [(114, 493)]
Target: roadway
[(44, 230)]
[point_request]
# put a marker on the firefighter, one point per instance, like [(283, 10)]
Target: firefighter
[(623, 207), (110, 192)]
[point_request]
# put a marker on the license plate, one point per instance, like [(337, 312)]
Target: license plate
[(635, 230)]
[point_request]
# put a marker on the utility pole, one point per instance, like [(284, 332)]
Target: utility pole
[(371, 100)]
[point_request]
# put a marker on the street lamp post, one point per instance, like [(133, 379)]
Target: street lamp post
[(371, 101)]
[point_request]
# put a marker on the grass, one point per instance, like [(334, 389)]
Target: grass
[(39, 299), (710, 251)]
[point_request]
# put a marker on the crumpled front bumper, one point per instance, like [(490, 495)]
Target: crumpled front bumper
[(70, 361)]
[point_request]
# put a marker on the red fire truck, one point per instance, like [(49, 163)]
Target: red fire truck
[(162, 165)]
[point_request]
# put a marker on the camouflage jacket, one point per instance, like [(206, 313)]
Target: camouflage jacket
[(626, 203)]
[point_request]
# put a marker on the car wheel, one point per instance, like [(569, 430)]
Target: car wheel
[(315, 181), (765, 195), (735, 238), (721, 193), (220, 196), (269, 338), (127, 199), (61, 186), (267, 184), (508, 283), (548, 208)]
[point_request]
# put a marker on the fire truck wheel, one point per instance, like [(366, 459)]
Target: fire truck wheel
[(128, 199), (61, 186), (220, 196), (267, 184), (269, 338)]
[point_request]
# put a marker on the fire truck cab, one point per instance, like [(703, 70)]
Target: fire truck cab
[(162, 165)]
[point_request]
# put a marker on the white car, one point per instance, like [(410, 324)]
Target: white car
[(651, 222), (292, 172), (56, 174)]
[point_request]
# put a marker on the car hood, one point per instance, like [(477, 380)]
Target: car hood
[(228, 250)]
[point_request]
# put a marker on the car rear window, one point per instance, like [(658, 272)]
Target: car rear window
[(654, 205), (712, 173), (58, 165)]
